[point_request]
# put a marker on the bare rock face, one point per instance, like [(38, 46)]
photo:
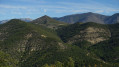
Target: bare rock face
[(92, 35)]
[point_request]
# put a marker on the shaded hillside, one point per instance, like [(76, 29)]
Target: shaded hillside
[(100, 39), (18, 37), (109, 50), (113, 19), (31, 45), (48, 22), (91, 32)]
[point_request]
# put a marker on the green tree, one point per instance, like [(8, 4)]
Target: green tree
[(58, 64), (6, 60), (70, 62), (46, 65)]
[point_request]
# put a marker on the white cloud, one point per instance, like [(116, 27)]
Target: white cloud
[(59, 7), (45, 10), (90, 6), (31, 1), (12, 7)]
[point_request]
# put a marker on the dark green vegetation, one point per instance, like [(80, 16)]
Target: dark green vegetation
[(21, 39), (75, 29), (77, 45), (109, 50), (106, 49)]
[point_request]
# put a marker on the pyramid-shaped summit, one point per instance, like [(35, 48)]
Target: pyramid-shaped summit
[(48, 21), (44, 20)]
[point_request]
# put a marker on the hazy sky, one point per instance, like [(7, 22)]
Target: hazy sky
[(55, 8)]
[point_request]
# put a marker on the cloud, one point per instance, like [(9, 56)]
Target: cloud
[(30, 1), (45, 10), (40, 7), (17, 12), (90, 6), (12, 7)]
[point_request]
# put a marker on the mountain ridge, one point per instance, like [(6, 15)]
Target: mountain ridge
[(83, 17), (89, 17)]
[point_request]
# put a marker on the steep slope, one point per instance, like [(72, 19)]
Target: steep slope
[(6, 60), (85, 17), (48, 22), (113, 19), (102, 40), (18, 30), (109, 50), (79, 32), (18, 37), (31, 45)]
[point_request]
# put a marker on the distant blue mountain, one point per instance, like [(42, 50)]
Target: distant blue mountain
[(90, 17), (23, 19)]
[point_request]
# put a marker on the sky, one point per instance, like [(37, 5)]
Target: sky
[(33, 9)]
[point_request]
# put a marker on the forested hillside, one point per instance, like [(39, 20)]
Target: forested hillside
[(25, 44)]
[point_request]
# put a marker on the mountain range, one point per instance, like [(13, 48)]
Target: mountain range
[(23, 19), (84, 17), (90, 17), (46, 42)]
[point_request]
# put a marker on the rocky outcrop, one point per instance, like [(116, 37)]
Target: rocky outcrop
[(91, 34)]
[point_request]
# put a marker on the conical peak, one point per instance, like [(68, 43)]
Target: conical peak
[(45, 16)]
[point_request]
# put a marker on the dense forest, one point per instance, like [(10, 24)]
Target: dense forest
[(89, 44)]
